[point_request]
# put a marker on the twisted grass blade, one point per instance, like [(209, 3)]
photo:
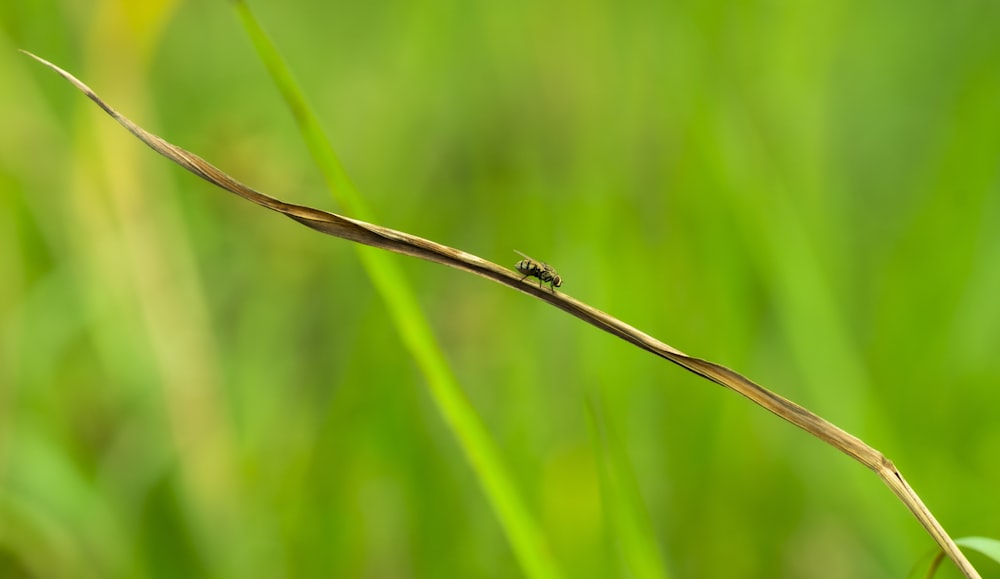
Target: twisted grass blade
[(407, 244)]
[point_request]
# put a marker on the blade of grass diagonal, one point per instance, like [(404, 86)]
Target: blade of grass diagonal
[(510, 512), (394, 288)]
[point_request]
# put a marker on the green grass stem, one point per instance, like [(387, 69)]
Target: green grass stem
[(522, 531)]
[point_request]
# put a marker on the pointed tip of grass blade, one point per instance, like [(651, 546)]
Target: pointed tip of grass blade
[(75, 82), (62, 72)]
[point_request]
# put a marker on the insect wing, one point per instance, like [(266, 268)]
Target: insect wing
[(529, 258), (534, 263)]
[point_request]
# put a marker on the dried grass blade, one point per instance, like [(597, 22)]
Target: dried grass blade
[(407, 244)]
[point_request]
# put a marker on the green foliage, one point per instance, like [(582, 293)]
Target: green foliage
[(804, 192), (413, 329), (989, 548)]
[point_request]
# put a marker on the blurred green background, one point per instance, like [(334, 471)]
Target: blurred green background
[(808, 193)]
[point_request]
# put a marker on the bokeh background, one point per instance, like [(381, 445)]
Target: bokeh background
[(191, 386)]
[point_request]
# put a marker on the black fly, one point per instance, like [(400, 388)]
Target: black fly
[(543, 271)]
